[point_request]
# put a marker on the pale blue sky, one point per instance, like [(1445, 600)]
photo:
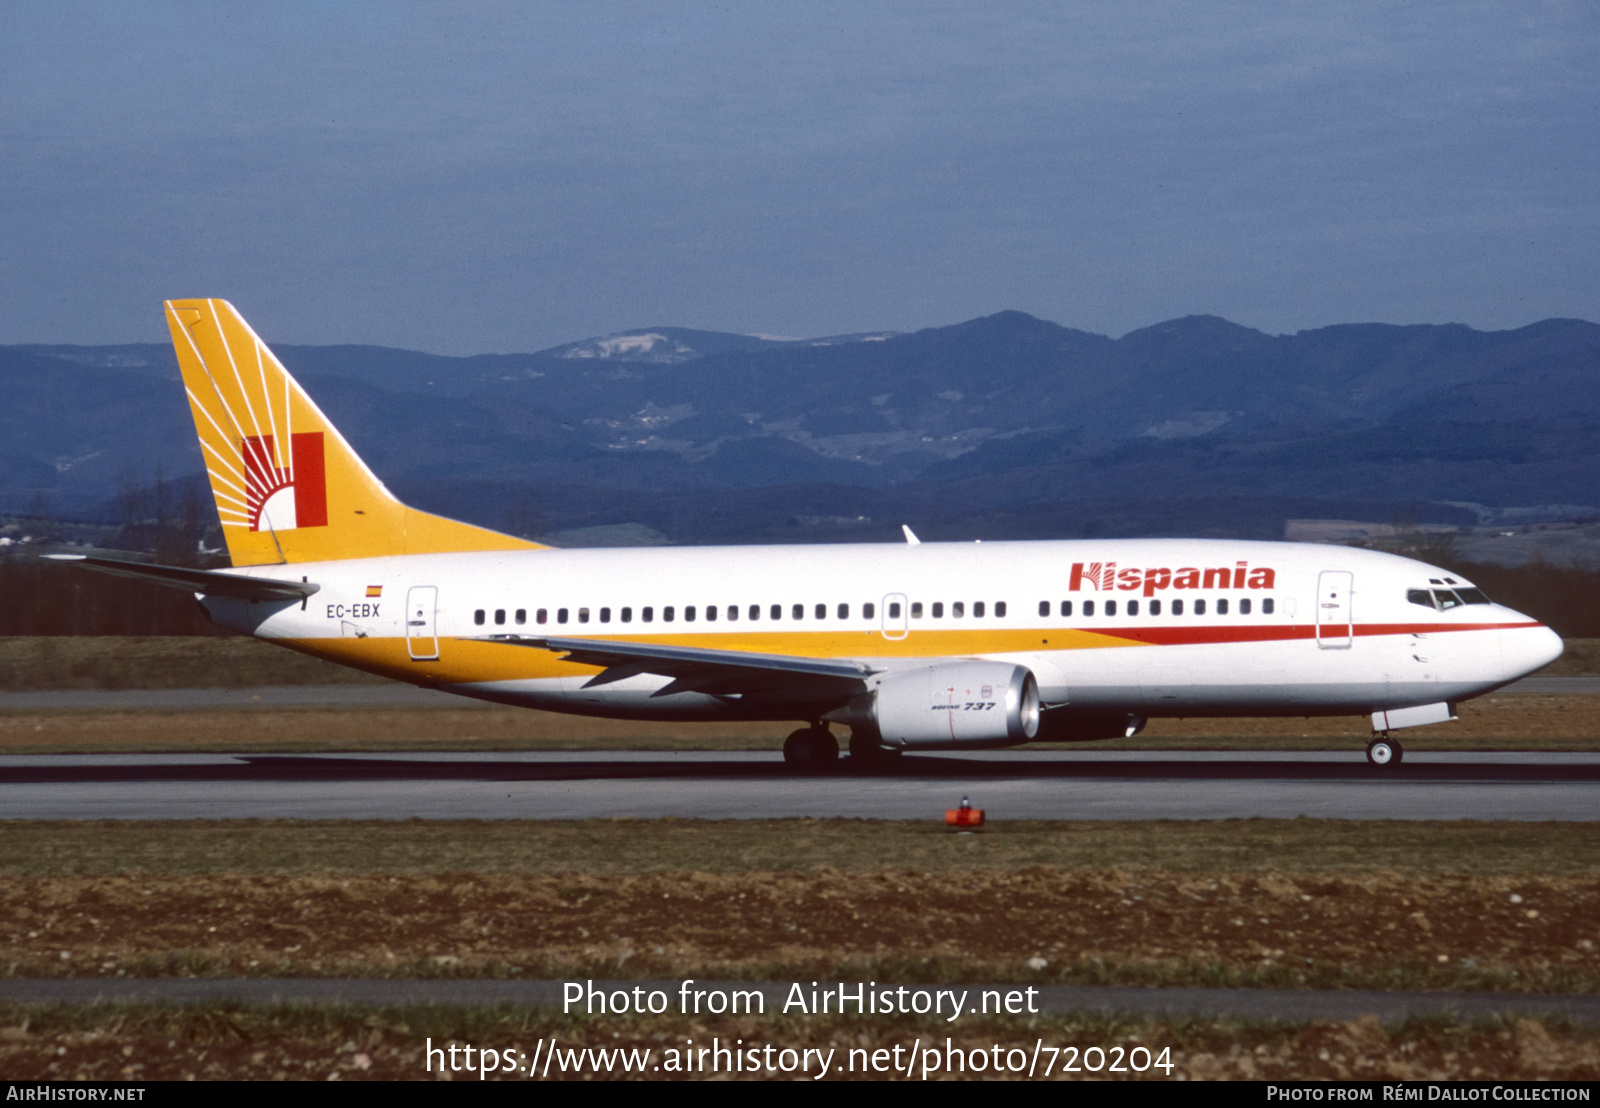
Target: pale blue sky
[(467, 178)]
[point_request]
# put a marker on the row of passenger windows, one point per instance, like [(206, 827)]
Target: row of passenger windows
[(936, 610), (713, 612), (958, 609), (1109, 607), (1440, 599)]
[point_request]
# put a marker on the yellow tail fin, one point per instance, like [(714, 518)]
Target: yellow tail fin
[(288, 487)]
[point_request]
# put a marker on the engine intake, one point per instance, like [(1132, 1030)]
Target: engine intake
[(959, 704)]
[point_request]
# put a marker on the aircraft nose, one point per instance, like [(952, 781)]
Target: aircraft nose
[(1531, 648)]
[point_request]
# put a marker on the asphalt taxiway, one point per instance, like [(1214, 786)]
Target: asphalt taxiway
[(1008, 784), (395, 694)]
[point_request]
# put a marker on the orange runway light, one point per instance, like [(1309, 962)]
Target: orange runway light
[(964, 816)]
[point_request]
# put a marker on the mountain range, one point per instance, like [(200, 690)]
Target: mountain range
[(1003, 426)]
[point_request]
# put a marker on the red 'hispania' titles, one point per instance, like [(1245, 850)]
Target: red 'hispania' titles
[(1105, 577)]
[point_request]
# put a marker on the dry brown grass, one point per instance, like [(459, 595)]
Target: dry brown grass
[(1243, 902), (469, 727), (1459, 905), (626, 846), (161, 662), (1038, 924)]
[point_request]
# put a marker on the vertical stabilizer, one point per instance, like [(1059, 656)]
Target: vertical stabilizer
[(288, 487)]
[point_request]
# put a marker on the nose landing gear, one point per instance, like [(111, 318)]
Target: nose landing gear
[(1384, 751)]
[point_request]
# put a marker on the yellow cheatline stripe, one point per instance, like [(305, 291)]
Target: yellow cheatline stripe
[(464, 660)]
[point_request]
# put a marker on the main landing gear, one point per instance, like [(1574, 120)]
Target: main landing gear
[(867, 752), (1384, 751), (811, 749)]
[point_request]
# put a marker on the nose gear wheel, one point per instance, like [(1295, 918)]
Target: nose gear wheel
[(1384, 751)]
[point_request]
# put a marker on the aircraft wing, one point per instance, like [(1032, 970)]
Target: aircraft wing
[(696, 669), (205, 581)]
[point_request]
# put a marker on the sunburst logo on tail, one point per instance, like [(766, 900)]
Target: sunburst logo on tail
[(287, 485), (266, 475), (285, 497)]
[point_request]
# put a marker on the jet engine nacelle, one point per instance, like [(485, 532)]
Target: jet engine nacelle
[(959, 704)]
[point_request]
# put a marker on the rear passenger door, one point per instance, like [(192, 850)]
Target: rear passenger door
[(422, 640)]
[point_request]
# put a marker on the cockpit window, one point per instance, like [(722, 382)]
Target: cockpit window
[(1445, 599)]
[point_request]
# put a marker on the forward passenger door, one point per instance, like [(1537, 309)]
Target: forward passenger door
[(1335, 614)]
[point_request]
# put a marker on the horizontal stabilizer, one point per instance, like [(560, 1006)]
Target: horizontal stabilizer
[(205, 581)]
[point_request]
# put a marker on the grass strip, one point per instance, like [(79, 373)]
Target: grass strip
[(620, 846)]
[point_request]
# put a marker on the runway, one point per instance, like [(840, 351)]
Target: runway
[(1008, 784), (394, 694)]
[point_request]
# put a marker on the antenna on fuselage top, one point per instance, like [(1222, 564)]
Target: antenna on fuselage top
[(911, 538)]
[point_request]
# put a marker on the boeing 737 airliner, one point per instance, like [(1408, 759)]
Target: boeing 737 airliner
[(912, 646)]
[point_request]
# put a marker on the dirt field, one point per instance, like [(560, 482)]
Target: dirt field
[(1460, 905), (1038, 924), (1465, 905)]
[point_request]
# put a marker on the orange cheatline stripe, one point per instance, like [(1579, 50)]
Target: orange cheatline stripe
[(464, 660)]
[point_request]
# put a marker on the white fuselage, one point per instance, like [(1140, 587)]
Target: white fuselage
[(1157, 627)]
